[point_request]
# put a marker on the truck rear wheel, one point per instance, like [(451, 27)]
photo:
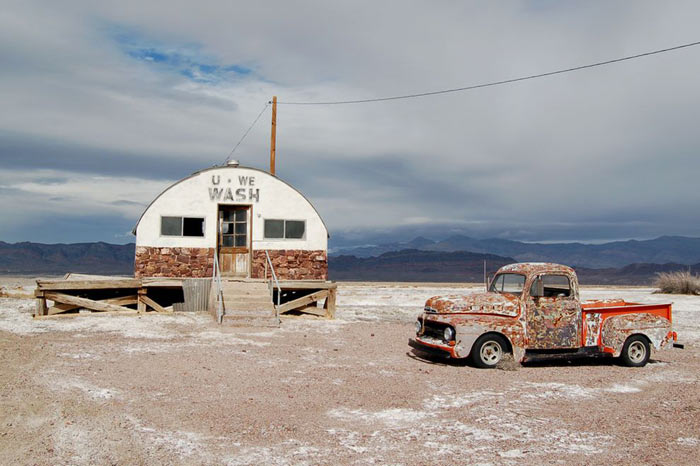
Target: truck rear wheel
[(488, 351), (636, 351)]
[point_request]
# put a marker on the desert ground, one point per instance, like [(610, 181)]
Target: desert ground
[(179, 389)]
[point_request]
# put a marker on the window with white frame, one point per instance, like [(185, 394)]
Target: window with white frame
[(285, 229)]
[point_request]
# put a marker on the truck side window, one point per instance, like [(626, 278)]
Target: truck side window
[(512, 283), (553, 286)]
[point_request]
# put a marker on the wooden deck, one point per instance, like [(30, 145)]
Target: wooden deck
[(126, 295), (99, 294)]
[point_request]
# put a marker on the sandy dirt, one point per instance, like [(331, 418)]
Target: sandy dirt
[(181, 390)]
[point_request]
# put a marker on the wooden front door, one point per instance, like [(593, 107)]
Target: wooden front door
[(234, 240)]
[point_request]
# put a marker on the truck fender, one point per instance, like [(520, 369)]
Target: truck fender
[(468, 334), (617, 329)]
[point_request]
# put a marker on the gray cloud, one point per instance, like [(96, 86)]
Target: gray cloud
[(151, 91)]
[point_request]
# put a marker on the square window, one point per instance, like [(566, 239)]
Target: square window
[(274, 229), (192, 226), (294, 229), (227, 241), (171, 226)]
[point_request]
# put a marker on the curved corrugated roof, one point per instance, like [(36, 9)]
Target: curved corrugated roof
[(133, 231)]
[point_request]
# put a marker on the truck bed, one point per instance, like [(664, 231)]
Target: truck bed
[(596, 312), (620, 306)]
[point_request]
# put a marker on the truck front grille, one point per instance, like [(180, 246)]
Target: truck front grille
[(433, 329)]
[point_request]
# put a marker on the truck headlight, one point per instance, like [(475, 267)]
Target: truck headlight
[(448, 334), (419, 327)]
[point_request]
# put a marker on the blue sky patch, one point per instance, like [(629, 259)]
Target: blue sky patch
[(185, 59)]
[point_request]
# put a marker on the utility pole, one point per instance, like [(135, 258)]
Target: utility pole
[(273, 135)]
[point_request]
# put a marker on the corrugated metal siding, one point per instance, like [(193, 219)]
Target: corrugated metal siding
[(196, 292)]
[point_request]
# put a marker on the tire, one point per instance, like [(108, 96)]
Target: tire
[(636, 351), (488, 351)]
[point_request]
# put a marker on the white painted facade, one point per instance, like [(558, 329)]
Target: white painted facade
[(199, 196)]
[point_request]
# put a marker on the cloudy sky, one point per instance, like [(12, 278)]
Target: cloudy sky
[(104, 104)]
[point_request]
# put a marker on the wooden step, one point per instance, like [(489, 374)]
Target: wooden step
[(248, 320), (245, 286), (249, 308), (248, 297)]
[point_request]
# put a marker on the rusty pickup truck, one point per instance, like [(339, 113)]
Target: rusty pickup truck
[(532, 310)]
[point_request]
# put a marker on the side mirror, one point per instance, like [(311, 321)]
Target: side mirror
[(537, 288)]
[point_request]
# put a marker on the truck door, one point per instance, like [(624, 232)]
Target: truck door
[(553, 313)]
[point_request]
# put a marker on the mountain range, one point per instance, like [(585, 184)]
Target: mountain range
[(662, 250), (39, 258), (418, 260), (411, 265)]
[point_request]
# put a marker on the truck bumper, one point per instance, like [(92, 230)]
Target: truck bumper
[(433, 350)]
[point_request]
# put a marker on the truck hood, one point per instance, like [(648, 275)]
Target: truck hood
[(478, 303)]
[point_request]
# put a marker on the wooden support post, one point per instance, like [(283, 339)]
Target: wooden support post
[(330, 303), (41, 309), (141, 305), (273, 135)]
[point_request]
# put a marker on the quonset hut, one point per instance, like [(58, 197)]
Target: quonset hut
[(237, 213), (235, 241)]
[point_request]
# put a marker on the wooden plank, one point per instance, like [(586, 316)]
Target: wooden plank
[(306, 284), (141, 305), (85, 277), (84, 302), (41, 307), (161, 282), (130, 312), (122, 300), (313, 310), (329, 305), (303, 301), (87, 284), (156, 307), (58, 308)]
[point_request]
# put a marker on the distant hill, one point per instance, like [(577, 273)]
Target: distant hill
[(431, 266), (412, 265), (37, 258), (662, 250)]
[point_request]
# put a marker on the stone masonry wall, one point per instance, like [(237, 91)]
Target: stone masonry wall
[(292, 264), (173, 262)]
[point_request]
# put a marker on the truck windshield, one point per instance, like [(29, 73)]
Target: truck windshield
[(512, 283)]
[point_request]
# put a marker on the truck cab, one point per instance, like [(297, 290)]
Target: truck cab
[(533, 310)]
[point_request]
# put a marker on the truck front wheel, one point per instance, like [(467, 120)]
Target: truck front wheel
[(488, 351), (636, 351)]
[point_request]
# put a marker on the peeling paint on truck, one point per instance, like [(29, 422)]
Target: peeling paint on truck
[(542, 313)]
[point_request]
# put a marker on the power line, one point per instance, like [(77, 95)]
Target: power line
[(496, 83), (246, 133)]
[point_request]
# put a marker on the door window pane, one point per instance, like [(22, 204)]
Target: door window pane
[(227, 241), (171, 226), (274, 229), (240, 241), (241, 228), (240, 215), (556, 286), (294, 229)]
